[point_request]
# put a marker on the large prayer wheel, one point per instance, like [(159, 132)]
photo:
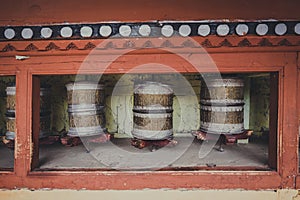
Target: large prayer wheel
[(86, 102), (153, 111), (222, 106)]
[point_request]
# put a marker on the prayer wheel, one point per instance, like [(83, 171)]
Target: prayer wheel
[(222, 106), (86, 102), (153, 111)]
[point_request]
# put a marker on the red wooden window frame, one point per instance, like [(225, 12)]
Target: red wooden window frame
[(228, 60), (297, 184)]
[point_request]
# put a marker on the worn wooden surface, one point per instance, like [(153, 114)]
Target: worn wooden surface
[(297, 177), (36, 121), (237, 55), (43, 12), (69, 63)]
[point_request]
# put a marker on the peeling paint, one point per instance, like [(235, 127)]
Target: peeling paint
[(21, 57)]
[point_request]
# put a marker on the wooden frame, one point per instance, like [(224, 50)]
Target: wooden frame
[(297, 183), (227, 60)]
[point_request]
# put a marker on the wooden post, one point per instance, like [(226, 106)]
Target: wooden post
[(273, 121), (35, 121)]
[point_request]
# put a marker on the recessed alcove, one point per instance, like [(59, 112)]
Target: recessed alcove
[(248, 153)]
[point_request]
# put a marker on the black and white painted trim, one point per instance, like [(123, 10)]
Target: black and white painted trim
[(149, 29)]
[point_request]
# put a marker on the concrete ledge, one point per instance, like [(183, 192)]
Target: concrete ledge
[(148, 194)]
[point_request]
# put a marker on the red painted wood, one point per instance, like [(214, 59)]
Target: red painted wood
[(273, 121), (210, 44), (227, 62), (288, 129), (297, 184), (23, 140), (70, 62), (16, 12), (35, 121), (141, 180)]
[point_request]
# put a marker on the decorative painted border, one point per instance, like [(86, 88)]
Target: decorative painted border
[(212, 42), (149, 29)]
